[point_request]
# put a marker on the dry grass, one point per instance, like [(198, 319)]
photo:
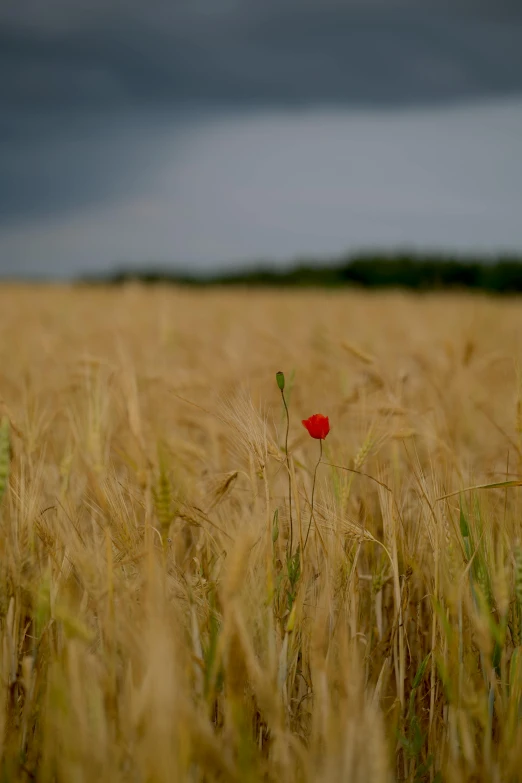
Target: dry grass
[(153, 627)]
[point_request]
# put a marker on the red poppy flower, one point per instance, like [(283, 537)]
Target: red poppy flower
[(317, 425)]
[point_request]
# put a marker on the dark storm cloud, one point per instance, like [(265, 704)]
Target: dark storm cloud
[(74, 163), (84, 82), (257, 52)]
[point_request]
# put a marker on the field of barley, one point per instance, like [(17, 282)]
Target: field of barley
[(179, 601)]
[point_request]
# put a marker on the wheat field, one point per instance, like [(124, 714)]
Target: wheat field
[(163, 616)]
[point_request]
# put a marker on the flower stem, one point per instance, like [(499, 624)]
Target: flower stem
[(313, 492), (289, 474)]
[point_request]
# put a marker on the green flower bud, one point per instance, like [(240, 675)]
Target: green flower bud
[(280, 378)]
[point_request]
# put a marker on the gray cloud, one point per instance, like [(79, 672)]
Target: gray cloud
[(84, 159), (276, 185), (98, 96), (261, 53)]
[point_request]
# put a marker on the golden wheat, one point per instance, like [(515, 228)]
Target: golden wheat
[(155, 625)]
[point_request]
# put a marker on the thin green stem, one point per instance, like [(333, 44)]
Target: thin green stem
[(313, 492), (289, 474)]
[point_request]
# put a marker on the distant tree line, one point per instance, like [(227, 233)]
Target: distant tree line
[(503, 275)]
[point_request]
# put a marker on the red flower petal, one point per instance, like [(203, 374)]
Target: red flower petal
[(317, 425)]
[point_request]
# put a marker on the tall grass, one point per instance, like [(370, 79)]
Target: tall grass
[(155, 625)]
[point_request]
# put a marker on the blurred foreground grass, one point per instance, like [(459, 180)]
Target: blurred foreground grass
[(153, 624)]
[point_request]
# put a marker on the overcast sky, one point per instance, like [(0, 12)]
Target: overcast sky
[(199, 133)]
